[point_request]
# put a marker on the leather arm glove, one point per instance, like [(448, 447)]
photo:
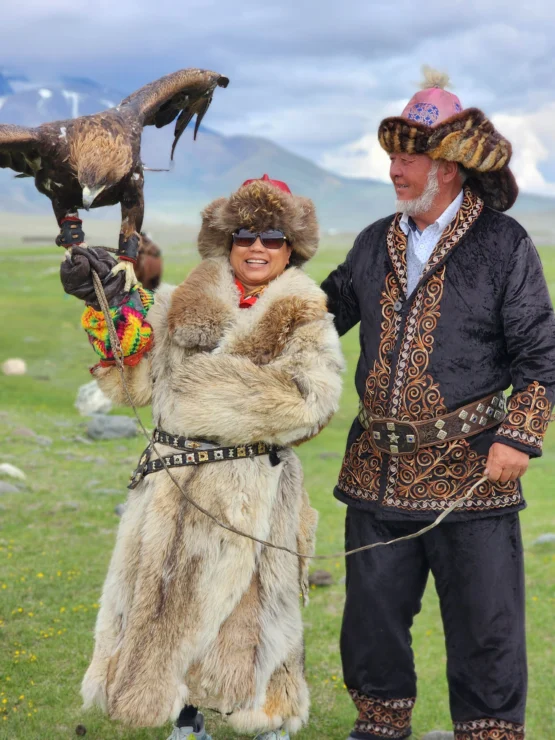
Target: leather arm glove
[(76, 277)]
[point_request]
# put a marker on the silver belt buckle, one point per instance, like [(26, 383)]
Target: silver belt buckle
[(394, 437)]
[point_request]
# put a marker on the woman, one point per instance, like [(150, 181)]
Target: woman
[(240, 362)]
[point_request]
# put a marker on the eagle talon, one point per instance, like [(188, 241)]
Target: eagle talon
[(130, 278)]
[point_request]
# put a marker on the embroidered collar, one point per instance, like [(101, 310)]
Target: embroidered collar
[(471, 207)]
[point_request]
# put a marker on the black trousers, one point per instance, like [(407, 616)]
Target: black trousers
[(478, 571)]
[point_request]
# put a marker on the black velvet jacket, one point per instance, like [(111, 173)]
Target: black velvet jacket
[(479, 321)]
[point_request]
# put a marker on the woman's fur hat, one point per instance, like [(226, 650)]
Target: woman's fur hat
[(259, 205), (467, 137)]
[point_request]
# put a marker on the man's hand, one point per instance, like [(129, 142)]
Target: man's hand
[(505, 463)]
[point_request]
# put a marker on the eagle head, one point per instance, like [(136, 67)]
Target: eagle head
[(101, 158)]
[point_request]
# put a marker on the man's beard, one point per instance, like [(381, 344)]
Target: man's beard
[(425, 201)]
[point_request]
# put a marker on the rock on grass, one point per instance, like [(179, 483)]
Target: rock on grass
[(544, 539), (91, 400), (320, 578), (6, 487), (12, 471), (111, 427), (14, 366)]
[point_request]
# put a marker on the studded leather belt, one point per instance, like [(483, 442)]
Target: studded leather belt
[(406, 437), (195, 452)]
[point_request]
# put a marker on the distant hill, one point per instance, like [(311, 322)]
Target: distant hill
[(214, 165)]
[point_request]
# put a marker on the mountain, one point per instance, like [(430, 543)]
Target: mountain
[(214, 165)]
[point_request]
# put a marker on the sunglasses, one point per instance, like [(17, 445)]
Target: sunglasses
[(271, 239)]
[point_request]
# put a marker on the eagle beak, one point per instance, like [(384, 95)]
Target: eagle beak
[(89, 195)]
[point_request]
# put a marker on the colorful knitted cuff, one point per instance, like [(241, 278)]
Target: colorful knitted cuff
[(134, 333)]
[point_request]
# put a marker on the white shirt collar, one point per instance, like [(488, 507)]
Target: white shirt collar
[(442, 221)]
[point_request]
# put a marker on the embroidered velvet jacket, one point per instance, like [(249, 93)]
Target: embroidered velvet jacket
[(479, 320)]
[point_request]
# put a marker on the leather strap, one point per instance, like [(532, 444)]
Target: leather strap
[(406, 437), (195, 452)]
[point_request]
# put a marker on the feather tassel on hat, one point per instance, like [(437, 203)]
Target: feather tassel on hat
[(434, 78)]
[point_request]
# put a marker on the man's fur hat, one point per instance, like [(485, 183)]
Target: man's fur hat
[(259, 205), (467, 137)]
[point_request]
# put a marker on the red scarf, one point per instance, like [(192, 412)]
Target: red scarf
[(246, 301)]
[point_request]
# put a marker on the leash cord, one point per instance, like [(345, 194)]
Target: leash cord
[(118, 356)]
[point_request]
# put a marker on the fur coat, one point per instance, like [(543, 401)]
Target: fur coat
[(192, 613)]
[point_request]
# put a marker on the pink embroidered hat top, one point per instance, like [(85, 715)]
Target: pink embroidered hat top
[(432, 106)]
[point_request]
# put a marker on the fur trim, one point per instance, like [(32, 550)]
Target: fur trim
[(306, 543), (199, 310), (471, 140), (254, 720), (259, 206)]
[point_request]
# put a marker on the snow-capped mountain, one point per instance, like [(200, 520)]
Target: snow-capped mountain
[(30, 103)]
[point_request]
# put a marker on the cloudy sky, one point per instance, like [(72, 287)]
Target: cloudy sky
[(316, 76)]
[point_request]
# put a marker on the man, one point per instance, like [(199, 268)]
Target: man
[(453, 309)]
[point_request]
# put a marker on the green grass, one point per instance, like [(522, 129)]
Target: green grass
[(57, 535)]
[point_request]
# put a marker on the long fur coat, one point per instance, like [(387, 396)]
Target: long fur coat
[(192, 613)]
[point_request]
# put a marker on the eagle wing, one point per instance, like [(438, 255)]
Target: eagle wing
[(19, 149), (184, 94)]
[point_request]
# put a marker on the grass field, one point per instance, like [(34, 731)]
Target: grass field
[(57, 534)]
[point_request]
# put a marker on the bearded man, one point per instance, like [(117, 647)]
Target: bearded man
[(453, 309)]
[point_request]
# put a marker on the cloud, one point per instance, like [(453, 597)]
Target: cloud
[(316, 79), (533, 139), (362, 158)]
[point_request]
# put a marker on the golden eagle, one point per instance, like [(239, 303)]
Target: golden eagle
[(95, 161)]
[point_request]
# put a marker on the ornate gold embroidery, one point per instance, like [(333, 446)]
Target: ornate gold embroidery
[(470, 209), (397, 248), (414, 394), (388, 718), (377, 384), (418, 340), (488, 729), (433, 477), (528, 417), (360, 472)]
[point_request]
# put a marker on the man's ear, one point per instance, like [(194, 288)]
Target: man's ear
[(449, 170)]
